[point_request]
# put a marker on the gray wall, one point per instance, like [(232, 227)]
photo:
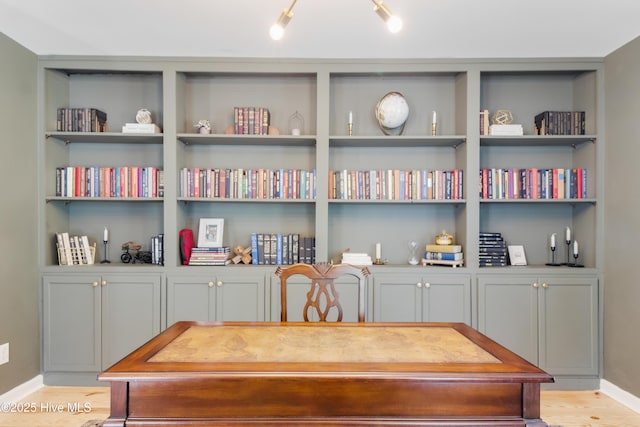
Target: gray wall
[(19, 283), (622, 218)]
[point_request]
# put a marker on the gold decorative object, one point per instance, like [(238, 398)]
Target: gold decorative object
[(444, 238), (502, 117)]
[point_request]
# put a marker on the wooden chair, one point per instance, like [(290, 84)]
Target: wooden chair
[(322, 295)]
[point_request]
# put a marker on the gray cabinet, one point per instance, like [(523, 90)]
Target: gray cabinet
[(550, 321), (235, 295), (91, 320), (420, 297)]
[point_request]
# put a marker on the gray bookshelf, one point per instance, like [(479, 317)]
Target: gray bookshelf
[(179, 92)]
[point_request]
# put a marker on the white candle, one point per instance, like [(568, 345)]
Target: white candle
[(378, 250), (553, 240), (350, 117), (575, 247), (434, 118), (106, 235), (567, 235)]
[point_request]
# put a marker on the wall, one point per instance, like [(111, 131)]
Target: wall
[(622, 223), (19, 283)]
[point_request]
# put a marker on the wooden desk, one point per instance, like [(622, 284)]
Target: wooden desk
[(382, 374)]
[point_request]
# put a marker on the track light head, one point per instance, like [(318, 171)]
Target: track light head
[(277, 29), (394, 23)]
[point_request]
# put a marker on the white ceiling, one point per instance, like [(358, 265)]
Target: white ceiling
[(322, 28)]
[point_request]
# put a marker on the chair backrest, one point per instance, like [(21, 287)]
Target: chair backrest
[(322, 295)]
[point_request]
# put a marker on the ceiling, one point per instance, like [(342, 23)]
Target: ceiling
[(322, 28)]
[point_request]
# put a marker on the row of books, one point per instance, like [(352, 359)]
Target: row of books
[(121, 181), (560, 123), (533, 183), (492, 250), (74, 250), (282, 249), (396, 184), (81, 120), (251, 120), (248, 183), (210, 256)]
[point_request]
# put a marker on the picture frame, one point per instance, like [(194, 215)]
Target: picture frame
[(517, 255), (211, 232)]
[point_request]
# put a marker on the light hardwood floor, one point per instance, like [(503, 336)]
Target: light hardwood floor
[(54, 407)]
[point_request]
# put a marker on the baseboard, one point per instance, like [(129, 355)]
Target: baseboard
[(627, 399), (23, 390)]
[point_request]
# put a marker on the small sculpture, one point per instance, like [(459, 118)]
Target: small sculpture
[(502, 117), (143, 116), (444, 238), (203, 126)]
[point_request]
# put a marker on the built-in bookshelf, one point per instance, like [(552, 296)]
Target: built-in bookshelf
[(317, 160)]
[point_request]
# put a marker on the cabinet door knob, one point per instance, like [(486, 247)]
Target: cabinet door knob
[(211, 284), (535, 284), (219, 283), (419, 284), (104, 283), (95, 284), (544, 285), (427, 285)]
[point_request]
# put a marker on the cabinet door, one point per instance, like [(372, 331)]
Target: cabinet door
[(508, 313), (397, 298), (569, 326), (240, 297), (446, 299), (130, 314), (190, 298), (71, 321)]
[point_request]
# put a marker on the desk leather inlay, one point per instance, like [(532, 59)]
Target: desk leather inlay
[(322, 345)]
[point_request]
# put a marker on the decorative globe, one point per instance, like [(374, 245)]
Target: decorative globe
[(392, 112)]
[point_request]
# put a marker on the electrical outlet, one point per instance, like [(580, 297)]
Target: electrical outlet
[(4, 353)]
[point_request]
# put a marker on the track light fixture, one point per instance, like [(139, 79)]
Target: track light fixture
[(394, 23), (277, 29)]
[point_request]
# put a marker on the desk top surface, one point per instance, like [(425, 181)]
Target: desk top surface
[(381, 350), (300, 343)]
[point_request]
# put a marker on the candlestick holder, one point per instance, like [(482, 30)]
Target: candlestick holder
[(434, 129), (568, 242), (350, 129), (575, 261), (553, 262), (378, 261), (105, 259)]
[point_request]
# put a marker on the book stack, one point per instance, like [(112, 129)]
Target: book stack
[(141, 128), (157, 249), (443, 255), (282, 249), (210, 256), (74, 250), (492, 250), (356, 258), (506, 130), (81, 120), (251, 120), (560, 123)]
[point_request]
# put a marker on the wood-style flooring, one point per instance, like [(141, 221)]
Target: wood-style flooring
[(75, 406)]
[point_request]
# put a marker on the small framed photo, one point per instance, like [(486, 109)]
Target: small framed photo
[(516, 255), (210, 232)]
